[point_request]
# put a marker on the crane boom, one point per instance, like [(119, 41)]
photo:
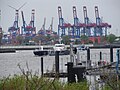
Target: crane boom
[(97, 16), (86, 19), (23, 20)]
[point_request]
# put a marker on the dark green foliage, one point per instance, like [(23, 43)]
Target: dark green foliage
[(111, 38), (38, 83), (29, 81), (66, 39)]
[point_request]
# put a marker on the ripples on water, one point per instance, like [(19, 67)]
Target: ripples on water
[(9, 61)]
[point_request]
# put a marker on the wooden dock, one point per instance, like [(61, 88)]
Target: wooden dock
[(102, 70), (7, 50)]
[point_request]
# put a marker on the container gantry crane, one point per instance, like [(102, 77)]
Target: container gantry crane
[(15, 29), (62, 26), (42, 31), (76, 26), (101, 27), (24, 24), (88, 25), (98, 29), (0, 23), (32, 23), (50, 29), (28, 30)]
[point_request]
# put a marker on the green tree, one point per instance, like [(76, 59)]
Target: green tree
[(103, 39), (111, 38), (84, 39), (36, 39), (77, 41), (20, 39), (66, 39)]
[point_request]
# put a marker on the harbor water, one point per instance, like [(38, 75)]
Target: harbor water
[(10, 62)]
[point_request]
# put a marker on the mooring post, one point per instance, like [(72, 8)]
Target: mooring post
[(99, 62), (71, 53), (41, 66), (88, 59), (88, 54), (57, 62), (70, 72), (100, 55), (111, 54), (117, 64), (79, 71)]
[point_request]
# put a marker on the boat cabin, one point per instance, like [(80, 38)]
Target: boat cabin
[(59, 47)]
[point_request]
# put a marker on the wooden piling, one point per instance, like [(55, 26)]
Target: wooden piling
[(41, 66), (70, 72), (111, 54), (57, 63)]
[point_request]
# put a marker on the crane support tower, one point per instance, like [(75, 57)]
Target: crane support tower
[(63, 28), (76, 26), (29, 31), (101, 27), (42, 31), (32, 22), (14, 30), (98, 29), (50, 29), (0, 23), (88, 25)]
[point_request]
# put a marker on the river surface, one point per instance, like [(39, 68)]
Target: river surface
[(9, 61)]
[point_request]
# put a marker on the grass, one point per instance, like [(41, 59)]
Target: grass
[(21, 82), (29, 81)]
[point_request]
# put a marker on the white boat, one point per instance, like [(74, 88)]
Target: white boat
[(40, 52), (61, 48), (58, 47)]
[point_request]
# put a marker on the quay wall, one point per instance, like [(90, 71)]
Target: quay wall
[(33, 47)]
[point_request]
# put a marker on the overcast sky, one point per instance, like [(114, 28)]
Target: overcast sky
[(108, 9)]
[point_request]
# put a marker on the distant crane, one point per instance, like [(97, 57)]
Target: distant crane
[(86, 21), (16, 15), (78, 26), (88, 24), (0, 16), (42, 31), (62, 26), (50, 29), (51, 26), (76, 29), (28, 30), (15, 29), (98, 30), (0, 23), (101, 28), (24, 23)]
